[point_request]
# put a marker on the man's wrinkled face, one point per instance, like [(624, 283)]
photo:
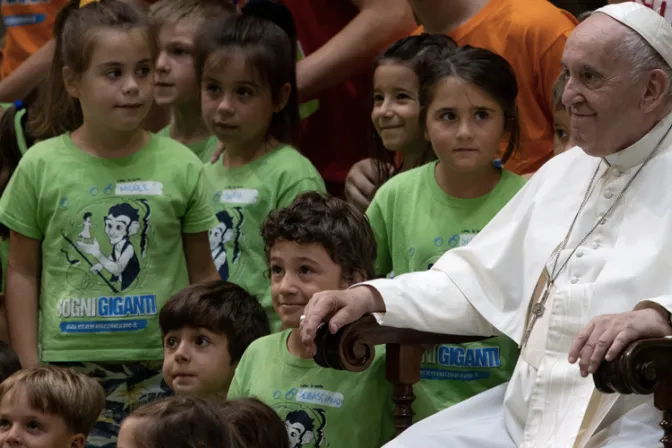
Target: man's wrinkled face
[(602, 96)]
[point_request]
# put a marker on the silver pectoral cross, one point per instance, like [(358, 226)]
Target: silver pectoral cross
[(538, 310)]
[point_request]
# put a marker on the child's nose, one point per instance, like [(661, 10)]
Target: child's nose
[(162, 63)]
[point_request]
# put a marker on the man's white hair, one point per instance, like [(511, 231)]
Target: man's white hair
[(641, 54)]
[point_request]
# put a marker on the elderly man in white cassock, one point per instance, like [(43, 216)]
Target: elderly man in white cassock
[(574, 268)]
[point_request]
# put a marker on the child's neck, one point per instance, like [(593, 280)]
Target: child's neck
[(413, 158), (441, 17), (187, 124), (295, 346), (470, 185), (235, 156), (109, 143)]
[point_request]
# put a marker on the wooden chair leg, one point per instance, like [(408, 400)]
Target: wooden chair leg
[(662, 399), (403, 371)]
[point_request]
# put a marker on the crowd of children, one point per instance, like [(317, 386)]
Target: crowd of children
[(154, 291)]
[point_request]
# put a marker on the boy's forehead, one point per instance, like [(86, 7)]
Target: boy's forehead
[(183, 30), (292, 250)]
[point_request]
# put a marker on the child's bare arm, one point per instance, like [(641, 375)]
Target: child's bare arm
[(23, 286), (199, 259)]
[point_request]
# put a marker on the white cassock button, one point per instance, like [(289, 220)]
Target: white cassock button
[(596, 244), (574, 280), (608, 194), (616, 172), (603, 220), (579, 253)]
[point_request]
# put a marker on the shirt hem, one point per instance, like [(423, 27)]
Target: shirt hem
[(122, 355)]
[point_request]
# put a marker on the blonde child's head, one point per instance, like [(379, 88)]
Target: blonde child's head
[(48, 407), (178, 422), (176, 25), (561, 124)]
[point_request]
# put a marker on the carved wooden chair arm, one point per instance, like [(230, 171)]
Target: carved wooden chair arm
[(644, 367), (353, 348)]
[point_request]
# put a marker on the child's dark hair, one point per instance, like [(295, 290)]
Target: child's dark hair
[(221, 307), (184, 422), (257, 425), (276, 12), (75, 32), (340, 228), (486, 70), (558, 90), (15, 139), (414, 52), (9, 361), (268, 51)]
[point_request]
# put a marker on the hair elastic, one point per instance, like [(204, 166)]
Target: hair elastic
[(18, 104), (497, 163)]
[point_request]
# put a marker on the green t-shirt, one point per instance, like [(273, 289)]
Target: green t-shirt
[(111, 233), (414, 223), (320, 407), (203, 149), (242, 199)]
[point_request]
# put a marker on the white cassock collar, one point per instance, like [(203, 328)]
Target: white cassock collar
[(636, 154)]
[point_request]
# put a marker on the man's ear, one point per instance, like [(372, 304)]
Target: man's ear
[(78, 441), (71, 81), (656, 90), (283, 97)]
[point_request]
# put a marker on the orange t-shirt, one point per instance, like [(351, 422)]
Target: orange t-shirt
[(531, 35), (29, 26)]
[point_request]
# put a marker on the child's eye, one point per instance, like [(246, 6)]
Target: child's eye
[(113, 74), (33, 425), (171, 342), (4, 423), (244, 92), (179, 51), (378, 98), (213, 89), (276, 270), (481, 115), (403, 97), (561, 133), (202, 341), (304, 270), (143, 72), (448, 116)]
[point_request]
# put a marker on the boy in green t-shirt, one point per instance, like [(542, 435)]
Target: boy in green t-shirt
[(318, 243), (175, 25), (206, 328)]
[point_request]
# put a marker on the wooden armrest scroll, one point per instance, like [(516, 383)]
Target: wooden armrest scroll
[(644, 367), (353, 348)]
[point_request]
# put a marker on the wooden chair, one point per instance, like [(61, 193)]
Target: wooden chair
[(352, 348), (645, 367)]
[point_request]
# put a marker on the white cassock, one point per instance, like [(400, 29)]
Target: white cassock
[(485, 288)]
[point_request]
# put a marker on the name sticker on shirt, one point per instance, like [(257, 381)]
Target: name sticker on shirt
[(320, 397), (239, 196), (147, 187)]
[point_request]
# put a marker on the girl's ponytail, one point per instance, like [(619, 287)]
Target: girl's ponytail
[(14, 141)]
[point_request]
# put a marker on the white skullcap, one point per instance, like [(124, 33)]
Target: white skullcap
[(647, 23)]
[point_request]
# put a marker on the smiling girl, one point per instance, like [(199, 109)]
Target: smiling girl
[(467, 106), (100, 281)]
